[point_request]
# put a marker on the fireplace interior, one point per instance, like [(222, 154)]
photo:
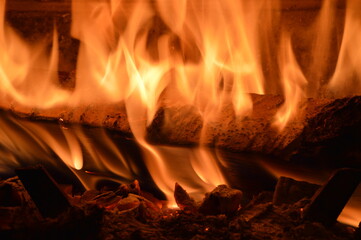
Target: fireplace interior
[(163, 119)]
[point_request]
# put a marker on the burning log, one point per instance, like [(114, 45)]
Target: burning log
[(326, 129), (324, 124), (315, 135)]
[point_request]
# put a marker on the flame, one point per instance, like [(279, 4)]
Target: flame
[(145, 54), (202, 53), (293, 83), (23, 143), (228, 55), (124, 69), (27, 141), (350, 215), (28, 75), (322, 48), (347, 75)]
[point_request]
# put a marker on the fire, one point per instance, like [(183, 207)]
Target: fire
[(25, 141), (293, 82), (346, 78), (25, 67), (142, 53)]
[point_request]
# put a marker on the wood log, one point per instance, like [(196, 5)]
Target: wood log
[(326, 130)]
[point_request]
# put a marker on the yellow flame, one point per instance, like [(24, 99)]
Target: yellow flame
[(322, 48), (115, 59), (23, 142), (347, 76), (27, 74), (293, 83), (27, 141)]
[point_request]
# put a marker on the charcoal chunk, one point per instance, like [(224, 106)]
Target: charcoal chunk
[(183, 200), (222, 200)]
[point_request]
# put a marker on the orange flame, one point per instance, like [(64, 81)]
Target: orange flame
[(115, 60), (204, 53), (27, 74), (347, 76), (293, 81)]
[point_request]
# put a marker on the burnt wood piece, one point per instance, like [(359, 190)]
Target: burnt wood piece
[(326, 131), (290, 191), (328, 202), (183, 200), (44, 191), (222, 200)]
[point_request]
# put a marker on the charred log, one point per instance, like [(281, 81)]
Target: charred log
[(325, 131)]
